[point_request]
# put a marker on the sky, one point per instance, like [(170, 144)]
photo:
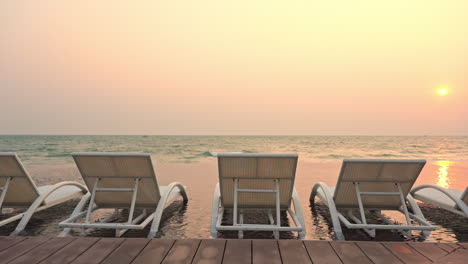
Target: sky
[(246, 67)]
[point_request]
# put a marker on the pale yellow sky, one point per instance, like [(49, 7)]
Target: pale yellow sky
[(233, 67)]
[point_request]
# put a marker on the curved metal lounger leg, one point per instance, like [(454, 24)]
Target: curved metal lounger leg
[(328, 199), (298, 212), (215, 212), (162, 204), (78, 209), (461, 205), (417, 212), (35, 207)]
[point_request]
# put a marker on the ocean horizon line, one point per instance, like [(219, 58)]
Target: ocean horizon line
[(247, 135)]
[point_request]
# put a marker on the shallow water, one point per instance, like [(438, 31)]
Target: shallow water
[(193, 219)]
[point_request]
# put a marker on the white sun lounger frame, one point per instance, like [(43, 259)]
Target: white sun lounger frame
[(336, 217), (133, 223), (39, 204), (460, 207), (238, 221)]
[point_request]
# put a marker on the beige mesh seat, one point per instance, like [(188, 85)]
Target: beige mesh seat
[(452, 200), (256, 181), (373, 185), (121, 181), (19, 191)]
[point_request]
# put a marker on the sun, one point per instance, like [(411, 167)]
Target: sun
[(442, 91)]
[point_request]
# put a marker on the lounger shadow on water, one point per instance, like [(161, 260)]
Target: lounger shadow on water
[(19, 191), (121, 181), (372, 186), (260, 182)]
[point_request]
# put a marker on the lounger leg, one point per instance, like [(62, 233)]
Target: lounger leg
[(272, 222), (120, 232), (370, 232), (278, 210), (276, 235), (417, 212), (4, 190), (241, 220), (298, 212), (162, 204), (405, 210), (78, 209), (337, 226), (215, 212), (406, 233), (91, 202)]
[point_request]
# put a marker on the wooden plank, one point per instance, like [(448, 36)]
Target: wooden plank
[(349, 252), (71, 251), (21, 248), (445, 247), (210, 251), (265, 251), (238, 251), (141, 250), (377, 253), (459, 256), (405, 253), (453, 245), (43, 251), (6, 242), (182, 251), (463, 245), (429, 250), (321, 252), (293, 251), (127, 251), (99, 251), (154, 252)]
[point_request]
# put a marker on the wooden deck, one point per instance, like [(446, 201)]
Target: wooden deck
[(141, 250)]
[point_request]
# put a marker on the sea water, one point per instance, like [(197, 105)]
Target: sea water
[(189, 149)]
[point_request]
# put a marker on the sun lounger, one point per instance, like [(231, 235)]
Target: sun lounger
[(121, 181), (256, 181), (454, 201), (373, 185), (19, 191)]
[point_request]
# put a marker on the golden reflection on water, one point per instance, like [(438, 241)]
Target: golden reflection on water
[(443, 179)]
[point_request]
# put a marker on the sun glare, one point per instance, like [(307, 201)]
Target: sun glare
[(442, 91), (443, 179)]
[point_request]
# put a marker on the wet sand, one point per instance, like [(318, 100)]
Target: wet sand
[(193, 220)]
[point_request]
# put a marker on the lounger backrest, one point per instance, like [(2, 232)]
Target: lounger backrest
[(256, 171), (375, 176), (119, 170), (22, 191)]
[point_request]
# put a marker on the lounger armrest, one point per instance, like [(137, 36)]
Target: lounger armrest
[(459, 203), (56, 186), (328, 199), (178, 185), (325, 189), (36, 206), (162, 205)]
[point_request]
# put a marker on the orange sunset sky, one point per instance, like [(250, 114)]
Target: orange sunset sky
[(361, 67)]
